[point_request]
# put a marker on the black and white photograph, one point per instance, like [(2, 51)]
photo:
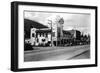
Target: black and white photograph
[(56, 36), (53, 36)]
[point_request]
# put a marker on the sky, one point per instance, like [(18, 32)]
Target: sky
[(71, 20)]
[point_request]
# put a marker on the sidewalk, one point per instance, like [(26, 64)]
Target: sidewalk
[(43, 49)]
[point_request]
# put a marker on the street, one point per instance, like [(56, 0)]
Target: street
[(58, 53)]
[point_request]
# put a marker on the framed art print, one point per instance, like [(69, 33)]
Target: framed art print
[(52, 36)]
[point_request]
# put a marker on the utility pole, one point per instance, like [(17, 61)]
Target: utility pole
[(50, 22)]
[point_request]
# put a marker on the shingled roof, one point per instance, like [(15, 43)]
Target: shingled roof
[(44, 31)]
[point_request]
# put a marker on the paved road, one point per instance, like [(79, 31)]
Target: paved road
[(58, 53)]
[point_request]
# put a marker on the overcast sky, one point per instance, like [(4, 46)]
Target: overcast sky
[(71, 20)]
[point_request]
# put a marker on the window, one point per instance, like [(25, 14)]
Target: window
[(37, 40), (40, 34), (33, 35), (43, 34)]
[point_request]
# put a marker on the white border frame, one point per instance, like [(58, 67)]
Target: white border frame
[(22, 64)]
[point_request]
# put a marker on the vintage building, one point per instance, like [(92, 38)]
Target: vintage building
[(54, 35), (45, 37), (40, 37)]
